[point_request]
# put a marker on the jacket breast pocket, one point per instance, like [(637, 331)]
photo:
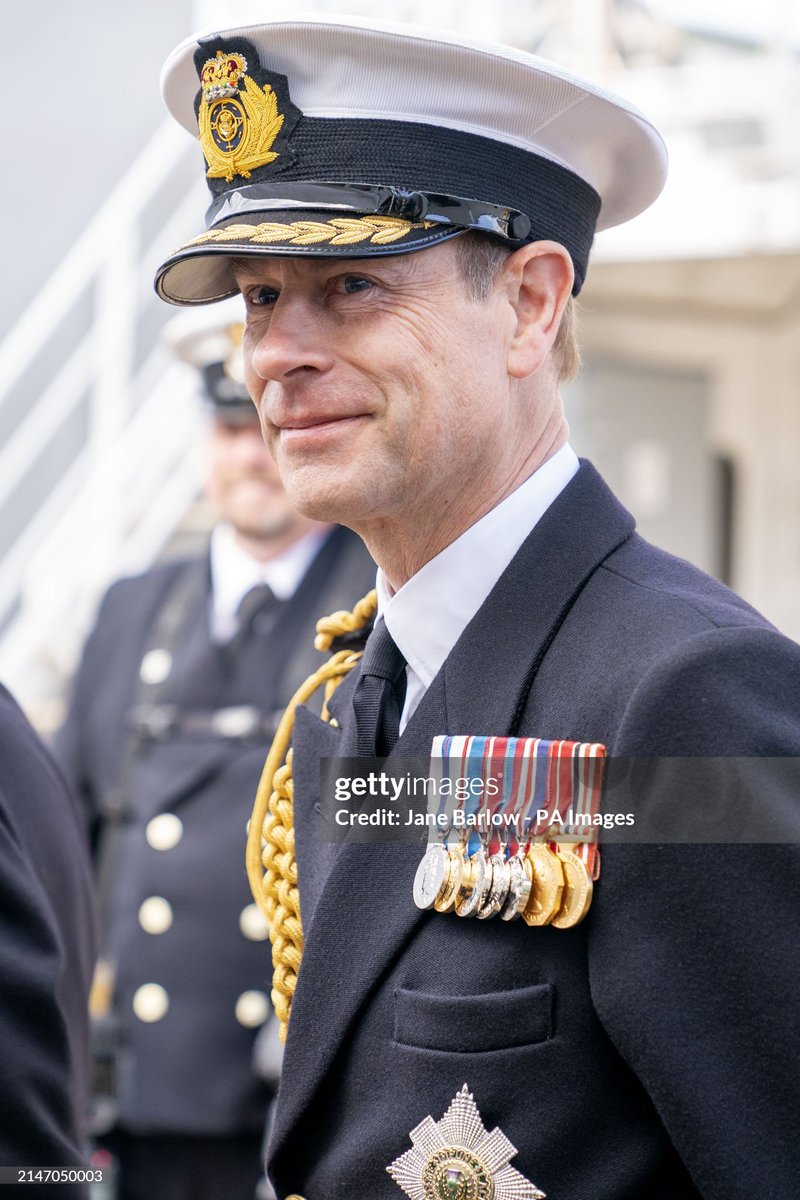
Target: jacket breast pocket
[(470, 1024)]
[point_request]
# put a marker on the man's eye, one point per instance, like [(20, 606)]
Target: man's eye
[(355, 283), (262, 296)]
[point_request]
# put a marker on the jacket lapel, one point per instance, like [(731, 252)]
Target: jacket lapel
[(365, 912), (312, 740), (510, 635)]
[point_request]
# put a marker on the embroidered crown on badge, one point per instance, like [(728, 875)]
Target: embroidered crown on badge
[(220, 76)]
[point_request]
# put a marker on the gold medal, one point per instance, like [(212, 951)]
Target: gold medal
[(547, 885), (501, 881), (519, 890), (470, 901), (469, 874), (432, 876), (448, 894), (578, 888)]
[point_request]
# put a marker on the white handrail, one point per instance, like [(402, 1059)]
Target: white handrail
[(122, 208), (20, 452), (136, 466)]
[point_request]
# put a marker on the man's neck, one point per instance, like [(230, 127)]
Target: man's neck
[(402, 547)]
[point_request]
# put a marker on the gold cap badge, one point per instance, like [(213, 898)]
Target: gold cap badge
[(238, 120)]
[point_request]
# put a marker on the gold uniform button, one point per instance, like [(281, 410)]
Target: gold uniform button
[(253, 923), (252, 1009), (164, 831), (155, 914), (155, 666), (150, 1002)]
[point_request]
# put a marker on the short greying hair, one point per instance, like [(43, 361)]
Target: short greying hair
[(480, 259)]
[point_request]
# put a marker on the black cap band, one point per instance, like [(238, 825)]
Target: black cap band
[(448, 166)]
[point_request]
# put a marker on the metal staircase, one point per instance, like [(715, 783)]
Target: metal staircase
[(100, 436)]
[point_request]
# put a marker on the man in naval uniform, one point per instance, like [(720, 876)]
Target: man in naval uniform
[(408, 215), (181, 685)]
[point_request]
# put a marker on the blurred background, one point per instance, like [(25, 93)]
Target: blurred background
[(689, 401)]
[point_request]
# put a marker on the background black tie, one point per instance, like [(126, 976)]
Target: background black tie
[(379, 695), (258, 607)]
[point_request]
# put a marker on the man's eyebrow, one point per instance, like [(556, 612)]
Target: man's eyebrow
[(398, 263), (244, 264)]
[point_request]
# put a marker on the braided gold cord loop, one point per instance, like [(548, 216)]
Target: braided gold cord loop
[(270, 857), (342, 622)]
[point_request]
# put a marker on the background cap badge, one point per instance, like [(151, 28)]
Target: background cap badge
[(331, 136)]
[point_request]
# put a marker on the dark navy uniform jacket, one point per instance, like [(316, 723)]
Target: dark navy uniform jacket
[(652, 1051), (188, 1069), (46, 959)]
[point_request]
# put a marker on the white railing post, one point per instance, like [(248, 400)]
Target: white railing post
[(114, 326), (134, 471)]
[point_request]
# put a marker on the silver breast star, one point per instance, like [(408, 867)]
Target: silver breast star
[(456, 1159)]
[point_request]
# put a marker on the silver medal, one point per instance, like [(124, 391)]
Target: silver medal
[(432, 874), (519, 890)]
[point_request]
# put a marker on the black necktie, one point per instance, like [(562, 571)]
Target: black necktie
[(257, 607), (379, 695)]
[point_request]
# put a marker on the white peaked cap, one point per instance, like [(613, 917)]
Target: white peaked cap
[(364, 92)]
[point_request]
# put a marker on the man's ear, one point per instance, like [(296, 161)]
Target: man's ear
[(538, 280)]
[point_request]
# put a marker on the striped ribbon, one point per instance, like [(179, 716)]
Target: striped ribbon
[(536, 779)]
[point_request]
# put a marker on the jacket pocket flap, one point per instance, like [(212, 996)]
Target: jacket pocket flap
[(467, 1024)]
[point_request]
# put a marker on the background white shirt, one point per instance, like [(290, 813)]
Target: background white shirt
[(234, 572)]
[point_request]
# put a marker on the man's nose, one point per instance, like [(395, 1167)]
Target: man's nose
[(293, 340)]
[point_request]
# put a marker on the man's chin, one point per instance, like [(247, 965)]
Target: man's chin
[(255, 527), (329, 500)]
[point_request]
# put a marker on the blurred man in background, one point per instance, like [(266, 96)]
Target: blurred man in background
[(181, 686)]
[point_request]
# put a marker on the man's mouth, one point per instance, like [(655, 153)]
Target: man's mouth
[(317, 426), (314, 420)]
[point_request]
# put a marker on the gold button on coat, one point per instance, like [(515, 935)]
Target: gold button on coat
[(253, 923), (155, 914), (164, 831), (252, 1009), (150, 1002)]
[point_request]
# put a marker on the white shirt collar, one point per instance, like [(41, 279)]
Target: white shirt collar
[(427, 616), (234, 572)]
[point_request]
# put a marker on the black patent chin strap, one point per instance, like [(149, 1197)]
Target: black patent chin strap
[(409, 204), (379, 695)]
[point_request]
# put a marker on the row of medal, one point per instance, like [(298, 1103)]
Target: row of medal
[(534, 795), (544, 884)]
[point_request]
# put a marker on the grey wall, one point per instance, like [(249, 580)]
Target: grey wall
[(646, 429), (82, 80)]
